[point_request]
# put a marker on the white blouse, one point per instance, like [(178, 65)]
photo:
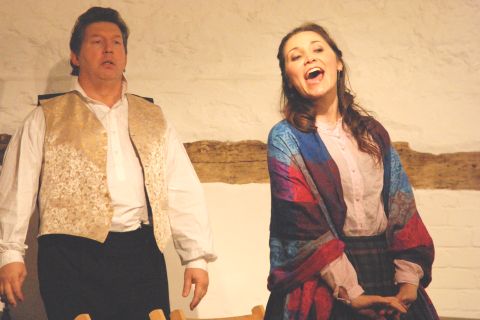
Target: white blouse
[(362, 183)]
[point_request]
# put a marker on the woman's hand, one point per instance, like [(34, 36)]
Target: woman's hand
[(375, 307), (378, 307), (407, 294)]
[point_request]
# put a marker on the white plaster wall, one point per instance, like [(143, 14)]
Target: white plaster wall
[(211, 65), (238, 279)]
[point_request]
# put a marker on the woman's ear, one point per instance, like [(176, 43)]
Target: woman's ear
[(339, 66)]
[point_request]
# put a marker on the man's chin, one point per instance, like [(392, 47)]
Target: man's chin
[(111, 77)]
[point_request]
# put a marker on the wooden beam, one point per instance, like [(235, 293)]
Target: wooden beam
[(229, 162), (459, 170), (245, 162)]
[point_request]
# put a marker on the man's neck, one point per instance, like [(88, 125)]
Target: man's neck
[(108, 92)]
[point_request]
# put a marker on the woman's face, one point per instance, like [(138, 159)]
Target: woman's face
[(311, 65)]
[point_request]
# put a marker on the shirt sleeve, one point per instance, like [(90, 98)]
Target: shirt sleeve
[(19, 182), (189, 221), (407, 272), (340, 273)]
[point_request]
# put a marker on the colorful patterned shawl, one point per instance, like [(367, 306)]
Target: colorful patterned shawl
[(308, 213)]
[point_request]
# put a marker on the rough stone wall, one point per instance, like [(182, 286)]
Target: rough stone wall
[(211, 65)]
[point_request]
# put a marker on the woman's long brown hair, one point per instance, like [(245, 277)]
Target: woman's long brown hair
[(300, 113)]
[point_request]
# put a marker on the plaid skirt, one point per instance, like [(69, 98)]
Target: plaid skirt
[(376, 274)]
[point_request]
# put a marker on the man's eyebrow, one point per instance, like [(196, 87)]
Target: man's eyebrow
[(100, 35)]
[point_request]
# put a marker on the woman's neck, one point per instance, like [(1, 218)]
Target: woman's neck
[(327, 110)]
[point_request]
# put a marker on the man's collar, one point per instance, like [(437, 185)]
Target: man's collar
[(77, 87)]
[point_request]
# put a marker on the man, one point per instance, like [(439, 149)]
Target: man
[(106, 167)]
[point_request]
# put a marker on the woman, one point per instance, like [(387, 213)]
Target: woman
[(346, 241)]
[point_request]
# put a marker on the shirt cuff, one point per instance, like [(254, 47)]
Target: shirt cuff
[(407, 272), (354, 292), (10, 256), (199, 263), (340, 273)]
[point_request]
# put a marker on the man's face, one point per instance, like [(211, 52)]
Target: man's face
[(102, 55)]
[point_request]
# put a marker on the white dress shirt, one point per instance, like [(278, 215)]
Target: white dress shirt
[(19, 183), (362, 184)]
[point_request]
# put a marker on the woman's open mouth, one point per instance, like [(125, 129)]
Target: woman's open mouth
[(314, 74)]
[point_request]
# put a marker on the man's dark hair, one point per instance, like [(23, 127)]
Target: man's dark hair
[(92, 15)]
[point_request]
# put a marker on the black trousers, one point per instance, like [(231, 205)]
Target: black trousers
[(123, 279)]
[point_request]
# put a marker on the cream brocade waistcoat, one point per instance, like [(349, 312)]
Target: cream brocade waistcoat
[(74, 197)]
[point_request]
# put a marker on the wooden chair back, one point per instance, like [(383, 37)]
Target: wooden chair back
[(154, 315), (157, 315), (258, 313)]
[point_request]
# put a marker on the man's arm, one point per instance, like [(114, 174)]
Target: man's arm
[(189, 222), (19, 180)]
